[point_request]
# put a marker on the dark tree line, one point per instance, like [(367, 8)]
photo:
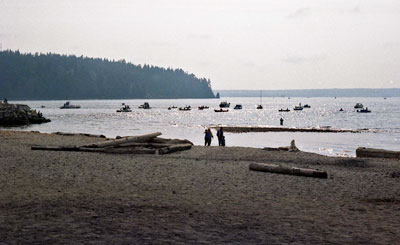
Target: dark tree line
[(54, 76)]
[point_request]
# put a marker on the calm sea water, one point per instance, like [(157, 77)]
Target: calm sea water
[(100, 117)]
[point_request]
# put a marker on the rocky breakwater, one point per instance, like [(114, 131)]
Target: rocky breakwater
[(18, 115)]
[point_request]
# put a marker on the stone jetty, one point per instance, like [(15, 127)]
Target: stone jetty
[(18, 115)]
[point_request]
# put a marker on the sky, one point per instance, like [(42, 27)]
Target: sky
[(252, 44)]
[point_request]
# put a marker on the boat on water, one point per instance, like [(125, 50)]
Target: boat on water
[(284, 110), (358, 106), (364, 110), (298, 107), (125, 108), (68, 105), (145, 105), (203, 107), (306, 106), (260, 105), (238, 107), (186, 108), (224, 104), (221, 110), (341, 109)]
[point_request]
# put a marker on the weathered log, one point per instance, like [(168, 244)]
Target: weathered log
[(80, 134), (138, 138), (125, 150), (273, 168), (55, 148), (377, 153), (174, 148), (170, 141), (143, 144)]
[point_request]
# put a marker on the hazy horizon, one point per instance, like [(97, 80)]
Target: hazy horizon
[(259, 45)]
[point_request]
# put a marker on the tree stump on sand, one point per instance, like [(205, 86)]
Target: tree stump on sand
[(273, 168)]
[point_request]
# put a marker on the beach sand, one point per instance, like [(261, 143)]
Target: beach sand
[(203, 195)]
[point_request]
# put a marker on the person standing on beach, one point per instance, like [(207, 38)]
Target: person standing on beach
[(207, 137), (221, 137), (281, 121)]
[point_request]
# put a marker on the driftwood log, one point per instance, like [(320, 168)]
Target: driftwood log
[(139, 138), (142, 144), (273, 168), (174, 148), (378, 153)]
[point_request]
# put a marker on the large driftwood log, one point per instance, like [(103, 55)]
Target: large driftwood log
[(378, 153), (55, 148), (174, 148), (139, 138), (159, 140), (273, 168)]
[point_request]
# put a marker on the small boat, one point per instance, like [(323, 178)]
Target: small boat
[(186, 108), (68, 105), (238, 107), (298, 107), (358, 106), (125, 108), (284, 110), (306, 106), (43, 106), (203, 107), (341, 109), (221, 110), (364, 110), (259, 107), (145, 105), (224, 104)]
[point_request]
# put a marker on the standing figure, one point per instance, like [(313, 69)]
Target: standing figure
[(281, 121), (207, 137), (221, 137)]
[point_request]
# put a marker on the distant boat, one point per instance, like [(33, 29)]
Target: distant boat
[(221, 110), (306, 106), (358, 106), (124, 108), (284, 110), (364, 110), (43, 106), (145, 105), (341, 109), (186, 108), (260, 105), (203, 107), (238, 107), (298, 107), (224, 104), (68, 105)]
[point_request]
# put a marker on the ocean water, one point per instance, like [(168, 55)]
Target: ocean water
[(100, 117)]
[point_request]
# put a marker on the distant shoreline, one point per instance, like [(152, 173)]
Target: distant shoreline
[(333, 92)]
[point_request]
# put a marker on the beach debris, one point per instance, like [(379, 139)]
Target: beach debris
[(278, 169), (246, 129), (377, 153), (140, 144), (80, 134)]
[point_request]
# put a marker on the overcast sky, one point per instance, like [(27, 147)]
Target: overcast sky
[(251, 44)]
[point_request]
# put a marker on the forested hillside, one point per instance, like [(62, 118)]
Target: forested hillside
[(54, 76)]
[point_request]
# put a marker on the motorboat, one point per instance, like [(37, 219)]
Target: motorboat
[(364, 110), (145, 105), (203, 107), (238, 107), (341, 109), (259, 107), (186, 108), (221, 110), (298, 107), (68, 105), (284, 110), (306, 106), (224, 104), (358, 106), (125, 108)]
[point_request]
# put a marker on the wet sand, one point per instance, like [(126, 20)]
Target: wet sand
[(203, 195)]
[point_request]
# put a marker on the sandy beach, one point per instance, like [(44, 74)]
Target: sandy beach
[(202, 195)]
